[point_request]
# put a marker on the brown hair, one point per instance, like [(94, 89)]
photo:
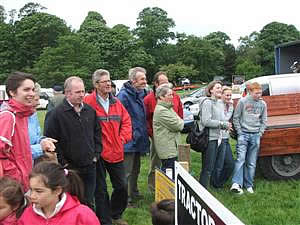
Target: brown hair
[(226, 88), (254, 86), (15, 80), (13, 193), (54, 175), (163, 212), (211, 86)]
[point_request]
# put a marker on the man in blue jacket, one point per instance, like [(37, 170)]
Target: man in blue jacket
[(131, 95)]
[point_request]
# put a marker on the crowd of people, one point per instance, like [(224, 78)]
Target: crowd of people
[(61, 175)]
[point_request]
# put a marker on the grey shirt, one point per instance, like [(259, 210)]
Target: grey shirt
[(250, 116)]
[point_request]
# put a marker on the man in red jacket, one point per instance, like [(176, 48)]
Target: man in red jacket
[(150, 103), (116, 131)]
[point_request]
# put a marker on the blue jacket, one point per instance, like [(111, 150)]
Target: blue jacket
[(133, 102), (35, 136)]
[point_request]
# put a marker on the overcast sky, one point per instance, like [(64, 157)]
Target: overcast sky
[(234, 17)]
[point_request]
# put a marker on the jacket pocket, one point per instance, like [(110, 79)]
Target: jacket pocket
[(10, 169)]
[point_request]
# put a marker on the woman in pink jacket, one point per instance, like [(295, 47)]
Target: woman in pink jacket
[(15, 152), (56, 196)]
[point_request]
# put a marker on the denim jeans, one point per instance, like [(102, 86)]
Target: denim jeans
[(168, 163), (88, 177), (245, 164), (224, 165), (209, 161), (107, 209)]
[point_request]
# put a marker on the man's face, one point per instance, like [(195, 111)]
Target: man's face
[(103, 85), (140, 82), (256, 94), (162, 79), (76, 92), (24, 93)]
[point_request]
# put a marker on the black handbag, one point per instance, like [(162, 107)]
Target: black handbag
[(198, 139)]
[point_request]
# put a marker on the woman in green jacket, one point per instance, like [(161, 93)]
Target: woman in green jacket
[(166, 127)]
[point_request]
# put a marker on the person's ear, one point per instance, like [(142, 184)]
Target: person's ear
[(12, 93), (58, 191)]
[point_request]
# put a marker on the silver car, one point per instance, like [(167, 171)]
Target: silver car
[(193, 97)]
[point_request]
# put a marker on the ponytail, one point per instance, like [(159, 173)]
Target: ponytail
[(54, 175), (75, 186)]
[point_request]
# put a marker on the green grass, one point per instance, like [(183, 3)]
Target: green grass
[(274, 202)]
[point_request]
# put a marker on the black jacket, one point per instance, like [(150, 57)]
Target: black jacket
[(78, 136)]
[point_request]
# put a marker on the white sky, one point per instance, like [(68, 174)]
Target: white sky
[(234, 17)]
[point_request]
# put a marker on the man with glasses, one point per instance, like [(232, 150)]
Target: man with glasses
[(116, 131)]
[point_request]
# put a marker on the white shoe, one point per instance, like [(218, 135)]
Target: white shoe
[(236, 189), (250, 190)]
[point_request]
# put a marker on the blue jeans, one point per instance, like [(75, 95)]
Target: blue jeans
[(106, 208), (224, 165), (245, 164), (209, 159)]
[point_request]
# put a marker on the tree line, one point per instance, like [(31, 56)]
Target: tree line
[(35, 41)]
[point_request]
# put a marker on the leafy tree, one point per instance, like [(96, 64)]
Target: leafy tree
[(249, 69), (72, 56), (206, 58), (179, 70), (153, 27), (34, 33), (29, 9), (7, 50), (220, 40), (2, 14)]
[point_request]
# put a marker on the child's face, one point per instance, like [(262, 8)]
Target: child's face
[(42, 196), (5, 209)]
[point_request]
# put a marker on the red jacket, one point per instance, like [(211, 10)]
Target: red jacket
[(15, 151), (150, 103), (116, 127), (72, 213)]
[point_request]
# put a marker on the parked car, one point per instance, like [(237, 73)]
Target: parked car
[(188, 118), (193, 97), (44, 100)]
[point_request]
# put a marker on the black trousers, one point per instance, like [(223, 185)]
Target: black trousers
[(110, 208)]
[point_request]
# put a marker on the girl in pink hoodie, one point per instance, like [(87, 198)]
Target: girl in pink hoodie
[(56, 195), (12, 201)]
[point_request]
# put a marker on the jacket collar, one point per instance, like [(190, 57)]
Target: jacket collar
[(67, 106), (165, 104)]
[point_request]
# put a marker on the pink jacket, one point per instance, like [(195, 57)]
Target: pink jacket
[(9, 220), (72, 213), (15, 152)]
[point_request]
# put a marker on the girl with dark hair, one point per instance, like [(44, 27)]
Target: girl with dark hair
[(12, 201), (57, 196), (213, 117)]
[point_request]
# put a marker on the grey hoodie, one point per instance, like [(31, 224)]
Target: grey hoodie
[(213, 117), (250, 115)]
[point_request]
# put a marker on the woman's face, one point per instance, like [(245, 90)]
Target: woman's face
[(42, 196), (5, 209), (168, 97), (226, 96), (24, 93), (216, 91)]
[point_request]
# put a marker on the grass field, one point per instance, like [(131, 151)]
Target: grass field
[(274, 202)]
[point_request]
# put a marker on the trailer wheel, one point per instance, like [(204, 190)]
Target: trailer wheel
[(281, 167)]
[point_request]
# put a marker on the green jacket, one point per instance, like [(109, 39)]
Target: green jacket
[(166, 130)]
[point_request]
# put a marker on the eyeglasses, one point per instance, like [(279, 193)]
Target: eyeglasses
[(103, 82)]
